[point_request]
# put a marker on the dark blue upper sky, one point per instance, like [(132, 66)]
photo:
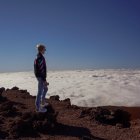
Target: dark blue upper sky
[(79, 34)]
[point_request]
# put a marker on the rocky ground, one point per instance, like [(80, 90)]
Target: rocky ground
[(19, 120)]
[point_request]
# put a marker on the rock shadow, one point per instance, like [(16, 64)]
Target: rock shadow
[(73, 131)]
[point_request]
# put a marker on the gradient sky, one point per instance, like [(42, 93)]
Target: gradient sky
[(79, 34)]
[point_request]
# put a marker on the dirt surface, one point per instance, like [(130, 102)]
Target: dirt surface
[(63, 121)]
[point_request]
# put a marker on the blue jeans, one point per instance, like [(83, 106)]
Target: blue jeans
[(42, 90)]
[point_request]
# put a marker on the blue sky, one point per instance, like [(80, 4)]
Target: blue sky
[(79, 34)]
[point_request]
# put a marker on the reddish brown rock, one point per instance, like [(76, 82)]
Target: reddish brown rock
[(19, 119)]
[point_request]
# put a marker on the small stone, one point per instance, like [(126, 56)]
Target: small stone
[(2, 90), (67, 100), (119, 125), (23, 91), (55, 97), (15, 88)]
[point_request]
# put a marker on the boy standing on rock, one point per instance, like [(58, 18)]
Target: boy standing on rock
[(40, 70)]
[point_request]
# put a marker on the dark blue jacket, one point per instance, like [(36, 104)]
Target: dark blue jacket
[(40, 68)]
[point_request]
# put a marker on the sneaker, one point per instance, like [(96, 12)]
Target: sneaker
[(45, 104), (42, 110)]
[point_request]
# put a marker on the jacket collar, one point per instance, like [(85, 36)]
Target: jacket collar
[(39, 54)]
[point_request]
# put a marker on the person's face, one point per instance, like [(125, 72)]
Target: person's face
[(43, 51)]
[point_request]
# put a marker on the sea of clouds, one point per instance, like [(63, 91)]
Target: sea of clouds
[(84, 87)]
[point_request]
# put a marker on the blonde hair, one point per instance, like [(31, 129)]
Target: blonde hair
[(40, 47)]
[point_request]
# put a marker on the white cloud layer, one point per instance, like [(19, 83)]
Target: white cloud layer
[(84, 88)]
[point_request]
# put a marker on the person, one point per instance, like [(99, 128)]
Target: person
[(40, 71)]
